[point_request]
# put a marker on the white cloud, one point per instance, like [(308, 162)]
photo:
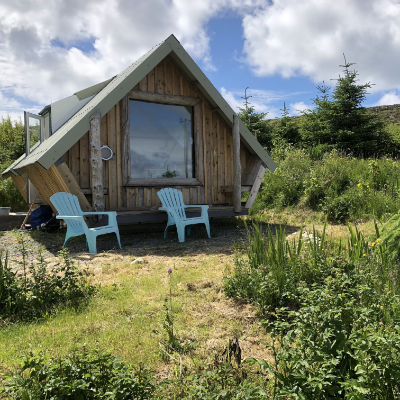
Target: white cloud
[(388, 99), (309, 37), (259, 100), (44, 45), (296, 108)]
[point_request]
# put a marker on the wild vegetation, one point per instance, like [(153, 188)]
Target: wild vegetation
[(12, 146), (338, 159), (38, 290), (327, 308)]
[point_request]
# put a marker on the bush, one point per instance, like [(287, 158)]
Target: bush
[(270, 275), (345, 188), (333, 313), (40, 292), (343, 342), (217, 381), (12, 146), (81, 375)]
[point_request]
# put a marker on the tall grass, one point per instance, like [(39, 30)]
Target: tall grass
[(275, 268)]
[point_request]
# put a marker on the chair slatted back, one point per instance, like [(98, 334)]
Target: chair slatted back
[(67, 204), (172, 198)]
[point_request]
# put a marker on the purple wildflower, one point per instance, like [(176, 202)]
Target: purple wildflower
[(170, 271)]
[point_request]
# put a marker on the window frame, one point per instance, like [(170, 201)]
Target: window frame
[(198, 155)]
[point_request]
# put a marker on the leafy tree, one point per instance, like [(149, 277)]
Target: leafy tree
[(12, 146), (257, 125), (12, 140), (286, 128), (340, 120)]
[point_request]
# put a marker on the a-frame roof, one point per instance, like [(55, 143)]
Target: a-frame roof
[(110, 93)]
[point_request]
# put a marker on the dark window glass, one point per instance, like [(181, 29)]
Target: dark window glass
[(161, 140)]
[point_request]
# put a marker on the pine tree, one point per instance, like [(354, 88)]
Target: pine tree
[(257, 125), (339, 119), (286, 128)]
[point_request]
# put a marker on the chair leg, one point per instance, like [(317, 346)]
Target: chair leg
[(207, 224), (118, 238), (92, 244), (166, 231), (181, 232), (188, 230), (67, 237)]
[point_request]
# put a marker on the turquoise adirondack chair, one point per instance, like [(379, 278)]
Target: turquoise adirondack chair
[(70, 211), (173, 204)]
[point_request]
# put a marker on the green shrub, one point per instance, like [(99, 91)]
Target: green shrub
[(81, 375), (12, 146), (343, 343), (274, 267), (215, 382), (285, 186), (347, 189), (40, 290)]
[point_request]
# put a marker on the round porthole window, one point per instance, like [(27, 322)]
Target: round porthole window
[(106, 153)]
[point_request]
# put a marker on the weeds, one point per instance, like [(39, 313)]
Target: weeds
[(346, 189), (40, 292), (82, 374), (332, 311)]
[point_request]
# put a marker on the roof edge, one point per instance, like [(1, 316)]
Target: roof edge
[(216, 96)]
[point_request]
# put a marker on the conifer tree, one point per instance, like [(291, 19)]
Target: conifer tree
[(286, 128), (257, 125), (339, 119)]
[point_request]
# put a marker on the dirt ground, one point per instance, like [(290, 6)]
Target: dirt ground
[(137, 242)]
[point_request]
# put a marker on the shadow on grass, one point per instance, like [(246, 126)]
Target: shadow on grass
[(149, 239)]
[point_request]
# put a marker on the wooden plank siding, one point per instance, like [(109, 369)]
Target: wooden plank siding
[(213, 138)]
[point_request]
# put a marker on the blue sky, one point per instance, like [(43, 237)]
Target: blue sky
[(281, 49)]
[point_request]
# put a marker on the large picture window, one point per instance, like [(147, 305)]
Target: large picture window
[(161, 140)]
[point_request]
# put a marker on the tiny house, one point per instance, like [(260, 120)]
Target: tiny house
[(159, 123)]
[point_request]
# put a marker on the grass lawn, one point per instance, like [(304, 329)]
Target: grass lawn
[(130, 304)]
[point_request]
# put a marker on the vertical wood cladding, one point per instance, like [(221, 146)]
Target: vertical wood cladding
[(217, 160)]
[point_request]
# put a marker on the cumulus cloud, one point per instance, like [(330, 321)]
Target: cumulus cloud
[(297, 108), (49, 50), (308, 38), (388, 99), (259, 100)]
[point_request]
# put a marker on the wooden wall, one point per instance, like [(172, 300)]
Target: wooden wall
[(165, 78)]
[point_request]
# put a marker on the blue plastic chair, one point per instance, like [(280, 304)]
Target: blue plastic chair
[(70, 211), (173, 204)]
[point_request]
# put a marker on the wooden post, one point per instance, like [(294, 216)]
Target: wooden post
[(125, 147), (237, 181), (96, 163)]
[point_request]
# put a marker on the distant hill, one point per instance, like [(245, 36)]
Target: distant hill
[(389, 114)]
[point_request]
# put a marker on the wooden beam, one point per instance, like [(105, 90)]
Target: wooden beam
[(89, 191), (229, 189), (256, 186), (73, 186), (125, 143), (251, 171), (198, 142), (162, 182), (96, 163), (237, 195), (164, 98)]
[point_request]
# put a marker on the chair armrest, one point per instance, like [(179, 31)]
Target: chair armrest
[(69, 217), (203, 207), (100, 213)]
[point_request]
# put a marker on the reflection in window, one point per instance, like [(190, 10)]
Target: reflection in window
[(34, 132), (161, 140)]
